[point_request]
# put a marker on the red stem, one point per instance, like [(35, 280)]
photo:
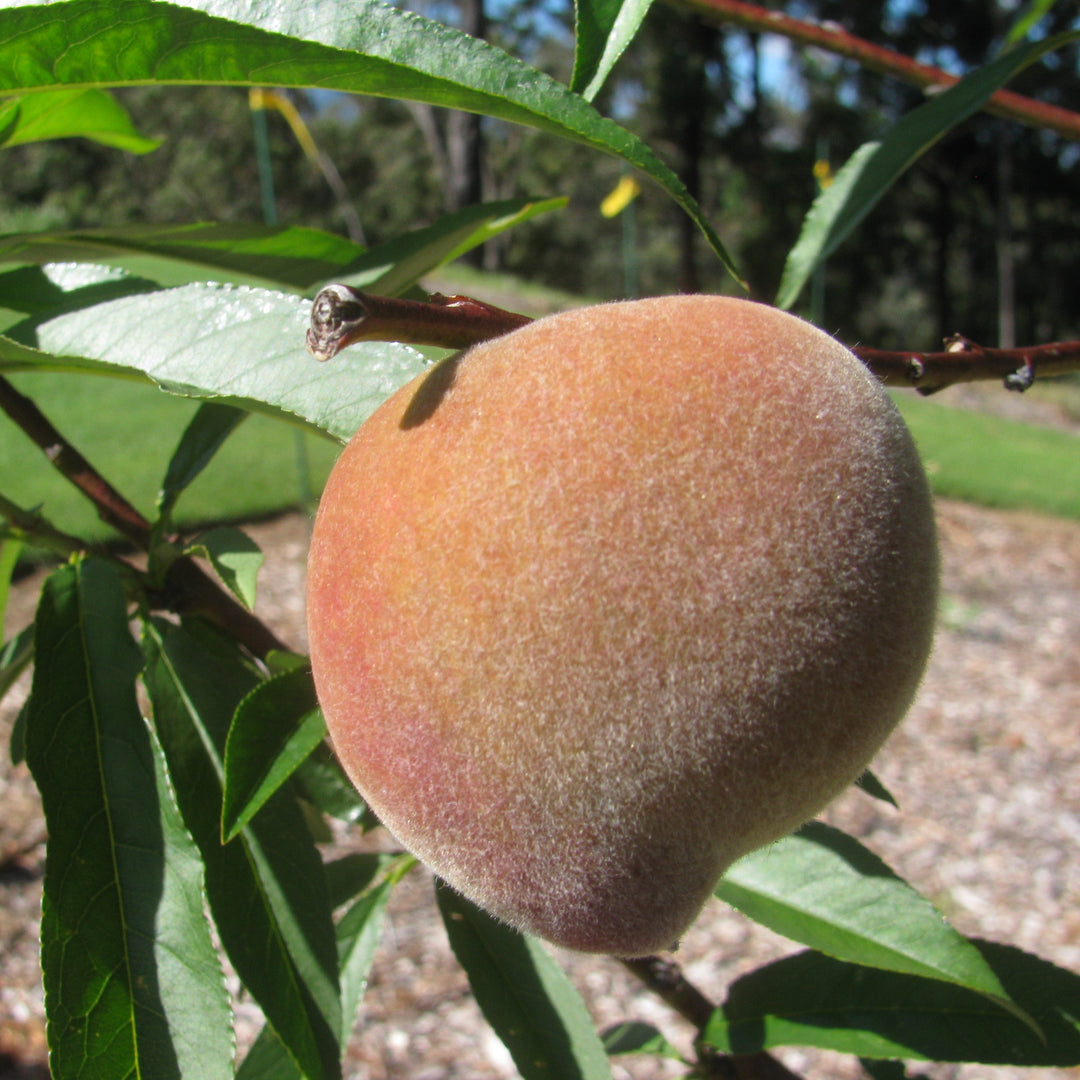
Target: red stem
[(836, 39)]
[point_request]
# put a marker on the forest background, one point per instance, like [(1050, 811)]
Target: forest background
[(981, 237)]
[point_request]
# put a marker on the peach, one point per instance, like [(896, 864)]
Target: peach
[(599, 606)]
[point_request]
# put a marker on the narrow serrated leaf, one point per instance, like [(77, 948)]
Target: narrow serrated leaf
[(634, 1037), (15, 657), (524, 995), (394, 266), (132, 982), (323, 782), (266, 889), (366, 47), (869, 783), (274, 729), (242, 346), (235, 557), (10, 549), (84, 113), (814, 1000), (603, 29), (822, 888), (875, 166), (285, 257), (357, 936), (211, 425)]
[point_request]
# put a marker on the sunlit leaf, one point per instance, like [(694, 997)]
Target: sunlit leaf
[(366, 47), (239, 345), (235, 557), (274, 729), (132, 983), (875, 166), (813, 1000), (822, 888), (266, 889), (603, 29), (66, 114)]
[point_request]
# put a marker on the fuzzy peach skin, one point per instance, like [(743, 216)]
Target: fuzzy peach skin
[(602, 605)]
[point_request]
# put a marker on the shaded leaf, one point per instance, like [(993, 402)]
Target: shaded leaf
[(15, 657), (873, 787), (266, 889), (822, 888), (235, 557), (524, 995), (366, 47), (813, 1000), (65, 114), (132, 982), (211, 425), (283, 257), (634, 1037), (323, 782), (357, 936), (275, 727), (875, 166)]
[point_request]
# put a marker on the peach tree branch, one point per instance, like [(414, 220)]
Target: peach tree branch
[(835, 39), (342, 315)]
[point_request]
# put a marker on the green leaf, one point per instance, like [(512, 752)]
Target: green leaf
[(874, 167), (357, 937), (240, 345), (1026, 21), (283, 257), (211, 425), (274, 729), (603, 30), (15, 657), (65, 114), (235, 557), (323, 782), (822, 888), (132, 982), (813, 1000), (351, 875), (873, 787), (634, 1037), (393, 267), (266, 889), (366, 47), (523, 994), (10, 550)]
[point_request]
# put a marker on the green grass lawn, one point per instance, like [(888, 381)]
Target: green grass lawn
[(128, 431), (993, 461)]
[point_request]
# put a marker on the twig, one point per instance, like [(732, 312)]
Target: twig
[(962, 360), (836, 39), (342, 315), (186, 590), (111, 506), (666, 980)]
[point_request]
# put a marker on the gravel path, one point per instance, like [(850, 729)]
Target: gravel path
[(986, 770)]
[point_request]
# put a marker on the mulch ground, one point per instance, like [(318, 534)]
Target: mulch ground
[(986, 769)]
